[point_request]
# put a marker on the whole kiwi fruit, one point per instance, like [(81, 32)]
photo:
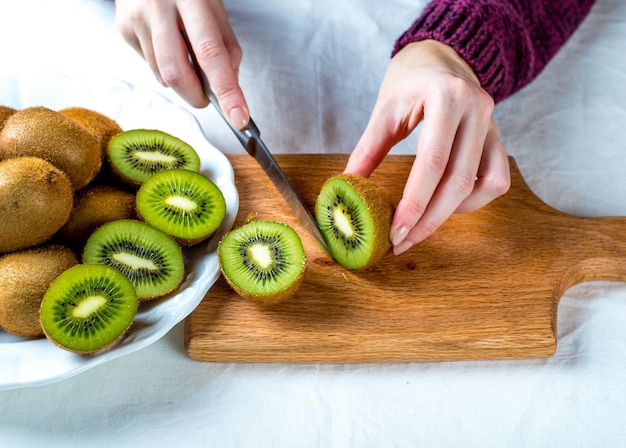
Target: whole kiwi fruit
[(36, 199), (5, 112), (45, 133), (25, 276), (354, 215), (263, 261), (94, 206), (101, 125)]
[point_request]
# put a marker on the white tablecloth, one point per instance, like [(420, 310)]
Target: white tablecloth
[(311, 72)]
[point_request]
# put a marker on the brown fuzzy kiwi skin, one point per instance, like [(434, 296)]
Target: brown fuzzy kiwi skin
[(5, 112), (24, 279), (42, 132), (273, 299), (94, 206), (102, 126), (36, 199), (380, 207)]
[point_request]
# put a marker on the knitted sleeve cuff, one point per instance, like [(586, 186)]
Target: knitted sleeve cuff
[(507, 43)]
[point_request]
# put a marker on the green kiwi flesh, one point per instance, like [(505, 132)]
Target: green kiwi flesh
[(263, 261), (151, 259), (88, 308), (354, 216), (184, 204), (25, 276), (137, 154)]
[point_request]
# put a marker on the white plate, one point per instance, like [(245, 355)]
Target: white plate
[(29, 362)]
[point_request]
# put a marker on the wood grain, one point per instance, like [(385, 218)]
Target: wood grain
[(485, 286)]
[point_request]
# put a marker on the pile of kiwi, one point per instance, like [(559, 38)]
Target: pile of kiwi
[(81, 248), (73, 182)]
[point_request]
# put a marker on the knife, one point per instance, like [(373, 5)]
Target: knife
[(250, 139)]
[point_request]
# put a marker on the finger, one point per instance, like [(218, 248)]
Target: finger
[(434, 146), (214, 59), (230, 39), (493, 177), (139, 38), (172, 59), (388, 124)]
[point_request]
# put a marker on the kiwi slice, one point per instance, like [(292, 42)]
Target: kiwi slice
[(88, 308), (184, 204), (263, 261), (25, 275), (137, 154), (151, 259), (354, 216)]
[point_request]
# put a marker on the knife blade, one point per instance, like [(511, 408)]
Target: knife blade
[(250, 139)]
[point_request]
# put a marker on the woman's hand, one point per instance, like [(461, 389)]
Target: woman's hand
[(460, 165), (157, 29)]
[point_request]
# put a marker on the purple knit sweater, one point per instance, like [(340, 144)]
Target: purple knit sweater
[(506, 42)]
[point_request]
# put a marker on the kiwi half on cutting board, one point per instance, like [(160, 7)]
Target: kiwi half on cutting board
[(152, 260), (137, 154), (354, 216), (88, 308), (185, 204), (263, 261)]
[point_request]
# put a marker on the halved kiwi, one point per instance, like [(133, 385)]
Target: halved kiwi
[(137, 154), (152, 260), (354, 216), (184, 204), (263, 261), (88, 308)]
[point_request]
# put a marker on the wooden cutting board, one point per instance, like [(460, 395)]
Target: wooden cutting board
[(485, 286)]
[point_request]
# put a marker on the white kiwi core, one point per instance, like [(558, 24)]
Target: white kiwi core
[(181, 202), (89, 306), (342, 222), (135, 261), (154, 156), (260, 253)]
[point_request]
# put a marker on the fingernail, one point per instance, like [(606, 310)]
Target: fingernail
[(399, 235), (239, 117), (402, 247)]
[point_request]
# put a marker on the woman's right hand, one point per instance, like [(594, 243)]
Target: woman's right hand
[(156, 29)]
